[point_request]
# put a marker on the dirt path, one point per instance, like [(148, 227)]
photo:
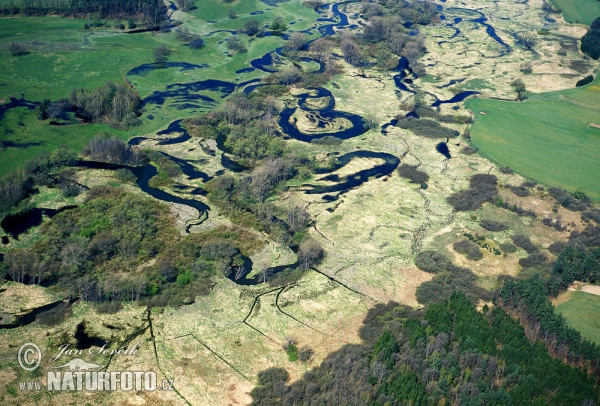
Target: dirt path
[(593, 289)]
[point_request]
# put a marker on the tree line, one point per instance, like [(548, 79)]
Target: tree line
[(150, 11)]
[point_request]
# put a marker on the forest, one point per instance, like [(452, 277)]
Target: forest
[(150, 11), (449, 353), (590, 42), (94, 252)]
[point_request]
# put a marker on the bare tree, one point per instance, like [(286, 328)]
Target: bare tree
[(527, 39), (252, 27), (19, 264), (296, 41), (297, 216), (305, 353), (314, 4), (289, 76), (161, 54), (310, 253), (322, 49), (352, 52), (17, 49)]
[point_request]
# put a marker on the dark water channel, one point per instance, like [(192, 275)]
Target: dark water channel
[(344, 184), (320, 117), (30, 317), (20, 223)]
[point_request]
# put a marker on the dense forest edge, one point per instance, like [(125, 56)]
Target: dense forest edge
[(450, 353)]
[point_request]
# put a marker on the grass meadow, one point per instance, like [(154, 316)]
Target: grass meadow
[(579, 11), (101, 54), (581, 312), (546, 138)]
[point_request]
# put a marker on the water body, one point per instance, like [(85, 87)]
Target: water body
[(452, 82), (402, 68), (149, 67), (391, 123), (357, 128), (239, 278), (29, 318), (488, 28), (458, 98), (442, 148), (244, 70), (16, 225), (14, 103), (263, 62), (190, 170), (348, 182), (186, 92)]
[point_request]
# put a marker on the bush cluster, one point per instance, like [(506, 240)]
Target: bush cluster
[(469, 249), (492, 225), (412, 173), (482, 188)]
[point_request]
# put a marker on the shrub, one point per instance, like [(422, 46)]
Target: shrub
[(593, 214), (109, 307), (426, 128), (557, 246), (482, 189), (412, 173), (469, 249), (506, 170), (17, 49), (520, 191), (432, 261), (533, 260), (590, 42), (492, 225), (271, 376), (508, 247), (305, 353), (468, 151), (125, 175), (524, 242), (196, 44)]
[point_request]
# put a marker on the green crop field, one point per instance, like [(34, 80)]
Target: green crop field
[(581, 312), (92, 57), (579, 11), (547, 138)]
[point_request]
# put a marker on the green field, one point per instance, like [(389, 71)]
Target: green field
[(546, 138), (581, 312), (97, 55), (579, 11)]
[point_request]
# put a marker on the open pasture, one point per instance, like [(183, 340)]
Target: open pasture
[(581, 311), (547, 138), (578, 11)]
